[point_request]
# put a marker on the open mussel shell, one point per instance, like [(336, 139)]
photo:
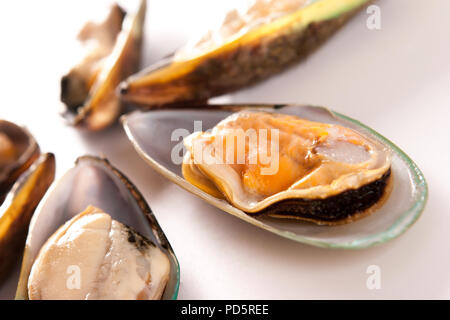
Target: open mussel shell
[(18, 151), (18, 207), (101, 106), (94, 181), (254, 53), (391, 218)]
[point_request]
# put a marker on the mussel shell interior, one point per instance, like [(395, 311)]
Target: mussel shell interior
[(393, 217), (94, 181)]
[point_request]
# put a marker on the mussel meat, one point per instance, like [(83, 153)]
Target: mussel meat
[(114, 261), (286, 166)]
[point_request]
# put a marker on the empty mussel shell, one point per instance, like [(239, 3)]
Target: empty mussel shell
[(88, 90), (94, 182), (402, 205), (250, 46)]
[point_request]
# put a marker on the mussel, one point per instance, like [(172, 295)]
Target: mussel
[(25, 176), (250, 46), (88, 90), (18, 208), (95, 196), (332, 170)]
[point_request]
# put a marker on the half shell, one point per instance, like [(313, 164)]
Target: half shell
[(94, 181), (248, 47), (392, 217)]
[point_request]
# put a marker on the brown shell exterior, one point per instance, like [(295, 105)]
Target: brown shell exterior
[(23, 201), (232, 70)]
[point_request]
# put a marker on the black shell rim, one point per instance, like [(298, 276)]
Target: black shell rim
[(333, 210)]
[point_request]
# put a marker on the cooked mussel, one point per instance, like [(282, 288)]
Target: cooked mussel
[(24, 178), (111, 260), (18, 208), (18, 150), (99, 191), (374, 178), (267, 38), (113, 53)]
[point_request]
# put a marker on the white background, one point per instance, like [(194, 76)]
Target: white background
[(396, 80)]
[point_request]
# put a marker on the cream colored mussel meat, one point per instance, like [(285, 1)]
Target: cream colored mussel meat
[(93, 256)]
